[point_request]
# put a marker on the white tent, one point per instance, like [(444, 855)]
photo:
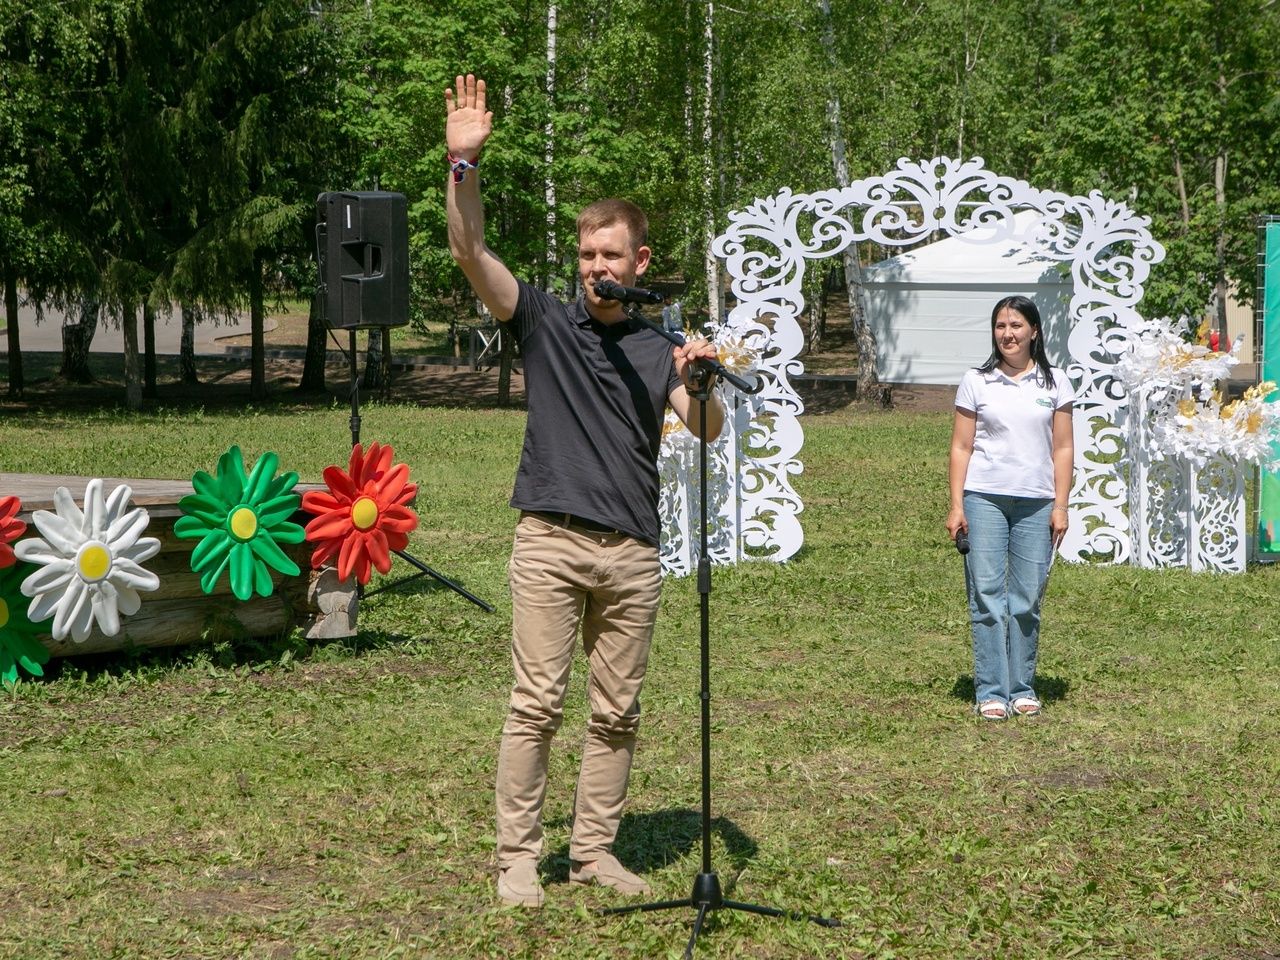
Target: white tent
[(930, 308)]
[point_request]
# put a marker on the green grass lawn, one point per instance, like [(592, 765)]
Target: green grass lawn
[(276, 799)]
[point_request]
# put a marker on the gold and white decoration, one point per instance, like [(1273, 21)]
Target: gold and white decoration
[(1189, 448), (90, 562), (1107, 248)]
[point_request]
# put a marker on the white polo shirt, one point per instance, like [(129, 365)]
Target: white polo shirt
[(1013, 442)]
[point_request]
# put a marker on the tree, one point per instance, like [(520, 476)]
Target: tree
[(46, 55), (1175, 108), (249, 113), (868, 376)]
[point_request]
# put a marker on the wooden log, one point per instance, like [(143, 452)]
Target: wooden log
[(180, 612), (170, 623)]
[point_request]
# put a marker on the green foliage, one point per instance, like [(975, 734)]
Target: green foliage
[(47, 55), (156, 147), (249, 114), (1148, 101)]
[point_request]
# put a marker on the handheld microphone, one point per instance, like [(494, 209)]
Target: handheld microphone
[(962, 542), (609, 290)]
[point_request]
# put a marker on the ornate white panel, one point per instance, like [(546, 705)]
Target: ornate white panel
[(1189, 448), (1158, 490), (1217, 518), (729, 479), (1107, 248), (1189, 516)]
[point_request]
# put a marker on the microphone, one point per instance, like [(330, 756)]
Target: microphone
[(962, 542), (609, 290)]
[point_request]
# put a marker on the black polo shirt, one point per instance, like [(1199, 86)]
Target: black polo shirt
[(597, 394)]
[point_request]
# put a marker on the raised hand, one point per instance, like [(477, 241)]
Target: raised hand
[(467, 124)]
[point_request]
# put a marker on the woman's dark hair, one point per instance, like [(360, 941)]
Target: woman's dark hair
[(1024, 306)]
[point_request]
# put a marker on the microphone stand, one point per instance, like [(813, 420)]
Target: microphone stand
[(707, 895), (711, 364)]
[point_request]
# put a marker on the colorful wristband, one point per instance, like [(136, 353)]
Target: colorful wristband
[(460, 166)]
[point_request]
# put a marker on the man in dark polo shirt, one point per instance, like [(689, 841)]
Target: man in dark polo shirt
[(586, 545)]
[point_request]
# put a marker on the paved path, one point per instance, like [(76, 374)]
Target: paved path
[(46, 336)]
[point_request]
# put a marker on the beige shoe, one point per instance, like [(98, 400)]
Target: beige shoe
[(518, 885), (608, 872)]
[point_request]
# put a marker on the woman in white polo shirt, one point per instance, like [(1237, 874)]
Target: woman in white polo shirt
[(1010, 475)]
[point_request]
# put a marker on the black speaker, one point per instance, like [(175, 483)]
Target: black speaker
[(362, 245)]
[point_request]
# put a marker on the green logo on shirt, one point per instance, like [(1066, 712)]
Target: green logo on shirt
[(1044, 402)]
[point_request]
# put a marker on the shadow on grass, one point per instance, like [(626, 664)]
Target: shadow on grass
[(651, 841), (1048, 688), (252, 653)]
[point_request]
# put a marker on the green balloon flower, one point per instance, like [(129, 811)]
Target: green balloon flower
[(18, 644), (241, 521)]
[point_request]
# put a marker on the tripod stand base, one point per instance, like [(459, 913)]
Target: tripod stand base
[(426, 571), (706, 897), (422, 568)]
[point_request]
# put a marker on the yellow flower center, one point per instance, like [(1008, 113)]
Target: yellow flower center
[(93, 562), (243, 523), (4, 614), (364, 513)]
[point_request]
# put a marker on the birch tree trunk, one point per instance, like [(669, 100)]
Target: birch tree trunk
[(1220, 247), (553, 258), (814, 292), (148, 350), (689, 225), (132, 365), (868, 379), (1184, 205), (76, 339), (11, 327), (1220, 208), (971, 56), (187, 343), (709, 200)]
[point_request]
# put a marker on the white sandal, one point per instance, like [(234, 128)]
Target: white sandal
[(1026, 706), (993, 710)]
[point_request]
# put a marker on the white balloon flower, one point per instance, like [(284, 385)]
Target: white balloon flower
[(90, 562)]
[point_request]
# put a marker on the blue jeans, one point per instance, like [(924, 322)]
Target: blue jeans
[(1009, 550)]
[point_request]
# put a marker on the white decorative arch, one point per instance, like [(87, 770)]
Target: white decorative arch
[(1108, 249)]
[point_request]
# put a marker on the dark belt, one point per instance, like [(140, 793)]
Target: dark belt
[(569, 520)]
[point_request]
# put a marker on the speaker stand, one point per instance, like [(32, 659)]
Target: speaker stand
[(422, 568)]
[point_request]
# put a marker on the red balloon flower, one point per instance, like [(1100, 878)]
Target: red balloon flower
[(363, 517), (11, 528)]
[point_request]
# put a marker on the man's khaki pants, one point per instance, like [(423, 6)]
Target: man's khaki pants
[(610, 583)]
